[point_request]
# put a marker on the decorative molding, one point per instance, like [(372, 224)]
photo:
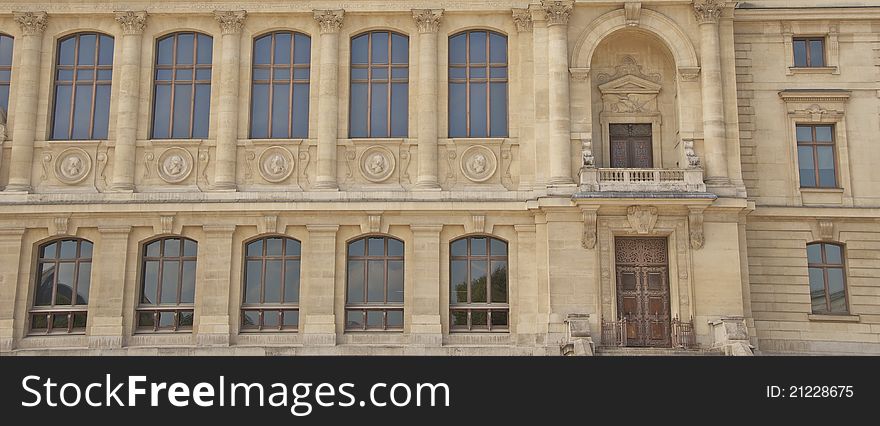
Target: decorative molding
[(100, 175), (587, 158), (330, 21), (478, 223), (693, 160), (61, 225), (406, 159), (695, 226), (276, 164), (133, 23), (522, 18), (374, 222), (231, 21), (269, 224), (46, 159), (826, 229), (580, 74), (350, 159), (633, 11), (557, 12), (506, 162), (588, 239), (628, 66), (31, 23), (204, 157), (815, 96), (377, 163), (708, 11), (427, 20), (249, 157), (175, 164), (478, 163), (148, 159), (450, 162), (304, 158), (166, 224), (688, 73), (72, 166), (642, 218)]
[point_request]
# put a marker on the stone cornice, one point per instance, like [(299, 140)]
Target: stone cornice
[(708, 11), (31, 23), (231, 21), (557, 12), (523, 20), (329, 20), (427, 20), (840, 96), (133, 23)]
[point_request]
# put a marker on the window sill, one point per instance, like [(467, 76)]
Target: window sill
[(821, 190), (813, 70), (821, 196), (834, 317)]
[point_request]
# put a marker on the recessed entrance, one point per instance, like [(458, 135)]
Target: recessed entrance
[(643, 291)]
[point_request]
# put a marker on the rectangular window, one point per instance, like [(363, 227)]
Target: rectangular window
[(817, 165), (809, 52)]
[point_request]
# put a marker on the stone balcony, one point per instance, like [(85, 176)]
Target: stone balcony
[(593, 179)]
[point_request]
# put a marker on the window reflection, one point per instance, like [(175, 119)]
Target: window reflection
[(379, 102), (63, 278), (167, 285), (6, 43), (83, 69), (182, 86), (271, 285), (374, 284), (280, 86), (478, 284), (478, 85), (827, 278)]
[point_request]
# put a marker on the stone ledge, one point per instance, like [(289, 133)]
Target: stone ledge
[(834, 318)]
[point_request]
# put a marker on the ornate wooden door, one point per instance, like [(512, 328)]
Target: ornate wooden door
[(631, 146), (643, 290)]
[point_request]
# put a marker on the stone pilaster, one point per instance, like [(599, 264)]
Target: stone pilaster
[(557, 14), (522, 18), (10, 256), (540, 94), (127, 99), (318, 319), (214, 277), (425, 327), (29, 51), (108, 288), (330, 22), (428, 22), (527, 283), (231, 23)]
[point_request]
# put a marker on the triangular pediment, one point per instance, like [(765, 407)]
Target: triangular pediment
[(629, 84)]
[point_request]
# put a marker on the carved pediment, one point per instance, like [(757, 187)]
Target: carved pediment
[(630, 84), (630, 94)]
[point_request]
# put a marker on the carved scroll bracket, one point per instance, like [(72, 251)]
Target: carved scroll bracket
[(695, 227)]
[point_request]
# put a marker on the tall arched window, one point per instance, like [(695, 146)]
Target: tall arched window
[(5, 72), (280, 89), (374, 286), (477, 85), (61, 295), (827, 278), (168, 284), (83, 73), (182, 86), (478, 284), (379, 85), (270, 299)]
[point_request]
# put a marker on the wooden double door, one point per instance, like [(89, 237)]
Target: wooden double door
[(631, 146), (643, 291)]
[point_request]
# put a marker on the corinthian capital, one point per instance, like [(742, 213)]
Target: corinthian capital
[(708, 11), (428, 20), (557, 12), (523, 20), (132, 22), (230, 21), (329, 20), (31, 23)]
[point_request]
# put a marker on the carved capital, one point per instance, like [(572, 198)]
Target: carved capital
[(31, 23), (523, 20), (688, 73), (557, 12), (427, 20), (708, 11), (230, 21), (329, 20), (133, 23)]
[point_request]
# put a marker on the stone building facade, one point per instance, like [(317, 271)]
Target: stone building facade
[(439, 177)]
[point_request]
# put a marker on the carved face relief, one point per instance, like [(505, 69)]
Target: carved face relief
[(478, 163), (175, 165), (276, 164), (377, 164), (72, 165)]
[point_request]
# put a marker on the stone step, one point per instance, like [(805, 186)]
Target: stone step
[(656, 352)]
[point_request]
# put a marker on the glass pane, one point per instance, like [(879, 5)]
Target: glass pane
[(83, 282), (379, 48), (281, 74), (823, 133), (497, 49), (85, 250), (185, 319), (273, 281), (250, 319), (817, 290), (302, 49), (814, 253), (479, 319), (172, 247), (6, 51), (4, 97), (379, 110), (262, 48), (190, 248), (49, 251), (395, 247), (145, 319), (478, 246), (457, 73), (82, 113), (86, 52), (170, 281), (68, 249), (497, 247), (64, 287), (105, 75), (478, 281), (377, 247), (458, 49), (66, 51), (205, 50), (188, 282), (355, 281), (185, 74), (394, 319), (165, 48), (459, 247), (273, 246), (376, 281), (399, 73), (280, 110), (166, 319), (395, 281), (805, 166), (291, 281), (826, 167), (102, 111), (628, 280), (356, 248), (79, 320), (44, 287), (182, 109), (85, 74), (59, 321), (161, 111), (151, 279), (832, 254), (255, 248), (374, 319), (185, 45), (358, 114), (499, 319), (300, 111), (380, 73), (261, 74), (301, 73), (457, 110), (399, 49), (252, 281), (498, 109), (836, 294), (359, 49), (105, 52), (459, 281), (498, 72), (62, 112), (202, 111), (817, 52), (499, 282), (478, 110), (399, 109), (271, 319), (259, 111), (459, 318), (282, 48), (292, 247), (291, 319), (478, 47), (800, 53), (354, 319), (39, 322)]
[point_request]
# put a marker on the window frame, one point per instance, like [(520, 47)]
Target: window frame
[(808, 56), (173, 83), (489, 306), (814, 146), (158, 308), (74, 84), (390, 81), (385, 306), (488, 80), (72, 310), (8, 82), (262, 307), (825, 266), (292, 66)]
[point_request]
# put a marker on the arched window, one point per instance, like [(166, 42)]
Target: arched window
[(827, 278), (61, 295), (5, 72), (478, 284), (280, 89), (270, 299), (379, 85), (83, 73), (182, 86), (374, 288), (168, 284), (477, 85)]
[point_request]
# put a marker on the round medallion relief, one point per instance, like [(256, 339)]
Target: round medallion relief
[(478, 163), (377, 163), (175, 164), (276, 164), (72, 165)]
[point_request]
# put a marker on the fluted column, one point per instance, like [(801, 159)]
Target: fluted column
[(708, 12), (227, 109), (330, 22), (428, 21), (26, 96), (557, 14), (127, 99)]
